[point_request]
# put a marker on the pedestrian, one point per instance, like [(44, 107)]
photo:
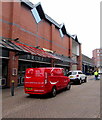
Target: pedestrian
[(96, 75)]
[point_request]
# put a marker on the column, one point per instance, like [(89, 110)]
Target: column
[(79, 59), (16, 10), (12, 69)]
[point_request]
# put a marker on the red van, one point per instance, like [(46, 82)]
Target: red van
[(45, 80)]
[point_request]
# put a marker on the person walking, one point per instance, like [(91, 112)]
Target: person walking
[(96, 75)]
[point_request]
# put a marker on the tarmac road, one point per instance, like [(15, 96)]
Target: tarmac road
[(82, 101)]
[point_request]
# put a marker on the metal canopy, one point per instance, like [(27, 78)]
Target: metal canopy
[(65, 59), (22, 48)]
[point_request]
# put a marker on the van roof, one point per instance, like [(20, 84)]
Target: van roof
[(75, 71), (46, 68)]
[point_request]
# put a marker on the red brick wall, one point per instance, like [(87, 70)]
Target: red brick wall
[(25, 27), (18, 22), (6, 16)]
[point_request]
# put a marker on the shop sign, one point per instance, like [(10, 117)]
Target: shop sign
[(14, 71), (35, 58)]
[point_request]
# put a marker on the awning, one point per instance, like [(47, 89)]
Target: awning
[(65, 59), (26, 49), (21, 48)]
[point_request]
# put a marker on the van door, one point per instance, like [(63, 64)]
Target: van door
[(34, 77)]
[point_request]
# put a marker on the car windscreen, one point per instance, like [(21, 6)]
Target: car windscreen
[(80, 73), (74, 73), (69, 73)]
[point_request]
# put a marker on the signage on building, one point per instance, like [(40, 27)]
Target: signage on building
[(14, 71), (35, 58), (47, 50)]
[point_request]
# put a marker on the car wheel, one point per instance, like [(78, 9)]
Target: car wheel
[(31, 95), (85, 79), (80, 81), (68, 86), (53, 93)]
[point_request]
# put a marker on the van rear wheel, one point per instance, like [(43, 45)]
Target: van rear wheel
[(54, 92), (68, 86)]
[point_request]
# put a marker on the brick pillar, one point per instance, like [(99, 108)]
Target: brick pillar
[(79, 59), (12, 66), (70, 51), (15, 29), (70, 47), (52, 37), (51, 44), (52, 62)]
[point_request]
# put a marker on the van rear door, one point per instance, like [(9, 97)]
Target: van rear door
[(34, 77)]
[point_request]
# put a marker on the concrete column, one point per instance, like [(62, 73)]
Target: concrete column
[(70, 52), (79, 59), (12, 69)]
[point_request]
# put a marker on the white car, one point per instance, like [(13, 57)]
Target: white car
[(76, 76)]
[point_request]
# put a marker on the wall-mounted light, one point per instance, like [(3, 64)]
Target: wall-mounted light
[(54, 51), (10, 39), (37, 46), (17, 39)]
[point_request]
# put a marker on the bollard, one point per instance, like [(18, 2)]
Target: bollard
[(12, 88)]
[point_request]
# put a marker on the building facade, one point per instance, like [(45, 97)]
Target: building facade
[(97, 58), (30, 38), (88, 65)]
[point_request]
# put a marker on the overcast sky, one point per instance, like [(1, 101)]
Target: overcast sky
[(81, 17)]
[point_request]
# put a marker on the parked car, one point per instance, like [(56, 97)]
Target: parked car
[(45, 80), (76, 76)]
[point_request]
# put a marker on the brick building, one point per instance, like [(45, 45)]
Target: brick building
[(30, 38), (97, 58)]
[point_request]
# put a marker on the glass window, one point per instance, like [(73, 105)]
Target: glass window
[(74, 73), (61, 33), (69, 73), (98, 51), (36, 15), (79, 72)]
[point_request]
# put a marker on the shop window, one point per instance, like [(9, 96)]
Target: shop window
[(36, 15), (5, 53), (3, 82)]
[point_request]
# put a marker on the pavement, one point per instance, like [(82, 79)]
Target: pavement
[(82, 101)]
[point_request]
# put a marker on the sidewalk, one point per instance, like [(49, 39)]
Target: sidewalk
[(90, 77)]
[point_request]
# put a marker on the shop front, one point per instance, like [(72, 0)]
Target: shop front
[(17, 57), (4, 68), (30, 61)]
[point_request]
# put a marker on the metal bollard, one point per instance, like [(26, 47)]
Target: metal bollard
[(12, 88)]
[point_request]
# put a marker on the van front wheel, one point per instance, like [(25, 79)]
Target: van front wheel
[(68, 86), (53, 93)]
